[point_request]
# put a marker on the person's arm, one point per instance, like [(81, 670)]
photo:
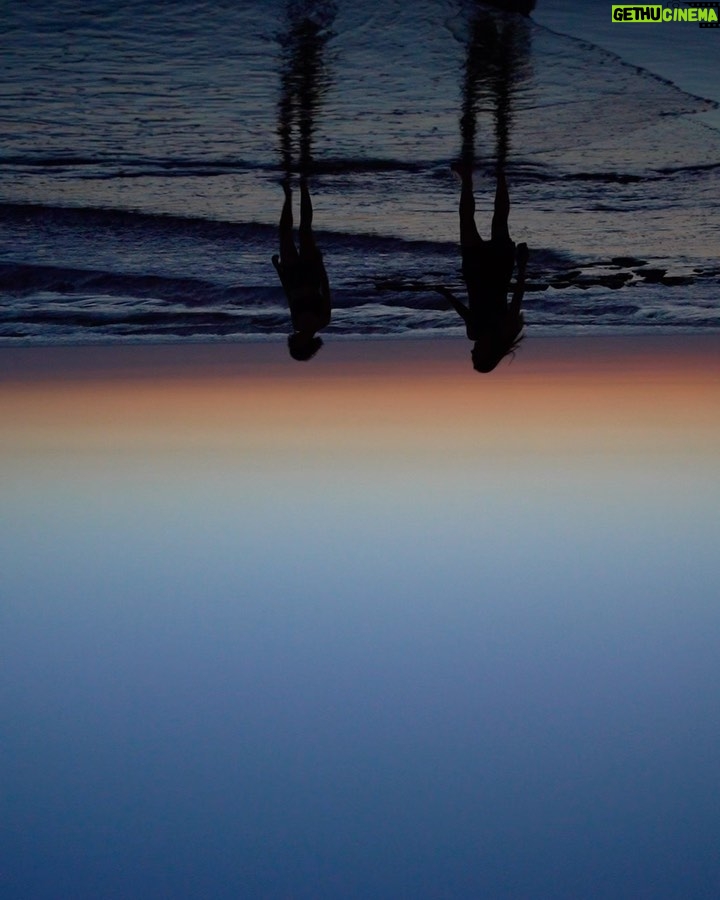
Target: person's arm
[(459, 307), (325, 285), (325, 288), (519, 292)]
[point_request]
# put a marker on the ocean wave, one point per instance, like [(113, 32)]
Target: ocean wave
[(117, 167), (50, 304), (88, 217), (68, 215), (21, 279)]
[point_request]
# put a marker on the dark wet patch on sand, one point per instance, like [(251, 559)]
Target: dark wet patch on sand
[(619, 272)]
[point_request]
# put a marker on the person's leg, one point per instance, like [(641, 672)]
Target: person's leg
[(288, 252), (502, 209), (468, 230)]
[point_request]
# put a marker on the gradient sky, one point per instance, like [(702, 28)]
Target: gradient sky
[(374, 626)]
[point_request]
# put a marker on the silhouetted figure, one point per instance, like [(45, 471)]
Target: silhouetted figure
[(304, 81), (493, 324), (303, 277)]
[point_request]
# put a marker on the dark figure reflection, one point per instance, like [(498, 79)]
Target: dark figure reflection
[(304, 82), (519, 6), (497, 53), (496, 63)]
